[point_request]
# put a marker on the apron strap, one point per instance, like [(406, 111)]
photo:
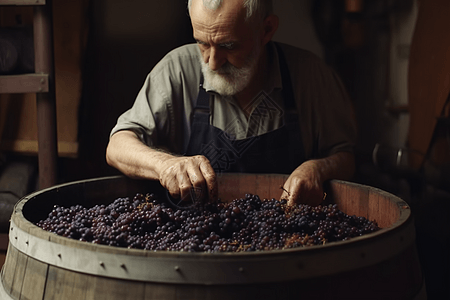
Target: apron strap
[(288, 91), (201, 111)]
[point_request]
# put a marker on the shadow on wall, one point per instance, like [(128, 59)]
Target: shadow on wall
[(296, 25), (127, 38)]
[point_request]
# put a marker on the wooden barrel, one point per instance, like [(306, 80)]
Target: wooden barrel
[(380, 265)]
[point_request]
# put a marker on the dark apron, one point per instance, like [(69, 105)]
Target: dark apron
[(279, 151)]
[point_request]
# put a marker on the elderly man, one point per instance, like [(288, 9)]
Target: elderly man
[(237, 102)]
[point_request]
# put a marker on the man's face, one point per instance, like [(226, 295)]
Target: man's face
[(230, 47)]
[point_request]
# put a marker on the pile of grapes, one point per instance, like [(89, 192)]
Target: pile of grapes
[(246, 224)]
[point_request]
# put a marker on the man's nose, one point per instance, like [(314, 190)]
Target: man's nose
[(216, 59)]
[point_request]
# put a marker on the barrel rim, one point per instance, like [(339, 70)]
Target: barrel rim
[(367, 250), (404, 216)]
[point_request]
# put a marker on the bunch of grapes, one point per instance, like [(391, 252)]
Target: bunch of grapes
[(245, 224)]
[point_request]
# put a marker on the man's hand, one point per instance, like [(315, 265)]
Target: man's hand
[(305, 184), (179, 174), (188, 177)]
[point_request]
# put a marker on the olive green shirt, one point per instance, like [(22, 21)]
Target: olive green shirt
[(161, 114)]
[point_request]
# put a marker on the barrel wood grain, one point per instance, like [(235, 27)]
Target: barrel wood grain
[(63, 284), (9, 267), (19, 274), (107, 288), (34, 280), (396, 277)]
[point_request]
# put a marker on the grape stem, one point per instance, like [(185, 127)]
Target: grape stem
[(281, 187)]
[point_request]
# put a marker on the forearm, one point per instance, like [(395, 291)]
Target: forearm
[(340, 165), (305, 184), (133, 158), (178, 174)]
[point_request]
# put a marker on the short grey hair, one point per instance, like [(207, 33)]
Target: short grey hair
[(255, 8)]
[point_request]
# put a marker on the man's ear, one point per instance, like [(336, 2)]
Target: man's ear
[(270, 26)]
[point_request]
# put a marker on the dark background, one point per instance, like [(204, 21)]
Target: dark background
[(367, 47)]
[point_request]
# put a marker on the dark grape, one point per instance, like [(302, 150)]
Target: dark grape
[(245, 224)]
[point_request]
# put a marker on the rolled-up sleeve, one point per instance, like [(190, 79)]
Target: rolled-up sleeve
[(140, 118), (160, 113)]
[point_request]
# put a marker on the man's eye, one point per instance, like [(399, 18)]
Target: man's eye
[(201, 43), (228, 46)]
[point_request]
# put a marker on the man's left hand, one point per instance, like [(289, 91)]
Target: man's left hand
[(304, 185)]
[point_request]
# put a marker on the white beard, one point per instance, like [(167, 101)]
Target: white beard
[(229, 80)]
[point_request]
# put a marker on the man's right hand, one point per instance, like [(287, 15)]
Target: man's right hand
[(178, 174), (189, 176)]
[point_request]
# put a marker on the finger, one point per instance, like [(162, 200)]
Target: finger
[(293, 198), (168, 179), (285, 191), (170, 183), (284, 196), (199, 190), (185, 186), (173, 189), (287, 194), (210, 178)]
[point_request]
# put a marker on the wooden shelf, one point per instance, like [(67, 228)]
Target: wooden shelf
[(65, 149), (38, 83), (22, 2), (25, 83)]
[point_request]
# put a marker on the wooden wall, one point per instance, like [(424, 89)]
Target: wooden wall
[(18, 123)]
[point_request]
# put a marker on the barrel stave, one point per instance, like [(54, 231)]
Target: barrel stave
[(396, 277)]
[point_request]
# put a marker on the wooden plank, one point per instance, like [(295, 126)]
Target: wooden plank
[(351, 197), (429, 75), (247, 185), (80, 285), (9, 268), (65, 148), (66, 284), (161, 291), (263, 186), (34, 280), (22, 2), (363, 203), (70, 28), (18, 111), (373, 214), (339, 194), (394, 211), (276, 183), (26, 83), (19, 274), (55, 286), (376, 210), (35, 276), (102, 288), (228, 185)]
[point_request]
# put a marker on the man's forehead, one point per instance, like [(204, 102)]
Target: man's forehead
[(227, 8), (222, 25)]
